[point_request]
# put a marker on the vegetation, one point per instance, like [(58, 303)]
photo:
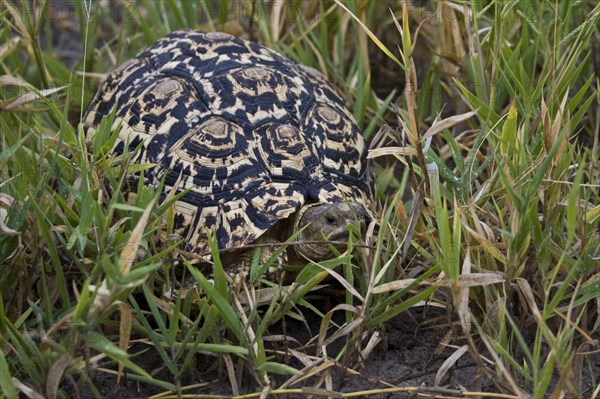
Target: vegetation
[(492, 126)]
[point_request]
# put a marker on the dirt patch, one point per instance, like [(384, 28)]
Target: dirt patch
[(408, 356)]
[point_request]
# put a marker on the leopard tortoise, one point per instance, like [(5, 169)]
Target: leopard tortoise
[(256, 138)]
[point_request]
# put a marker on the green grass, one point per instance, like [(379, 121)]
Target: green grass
[(501, 229)]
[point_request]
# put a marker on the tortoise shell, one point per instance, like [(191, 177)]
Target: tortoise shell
[(253, 135)]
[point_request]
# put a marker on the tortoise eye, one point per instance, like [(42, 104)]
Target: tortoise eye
[(330, 219)]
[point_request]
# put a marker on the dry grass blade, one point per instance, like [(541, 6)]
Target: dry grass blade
[(4, 229), (444, 343), (325, 324), (55, 374), (462, 305), (529, 298), (18, 21), (447, 123), (101, 301), (276, 21), (486, 245), (167, 307), (383, 151), (479, 279), (306, 360), (8, 47), (27, 390), (584, 350), (281, 338), (10, 80), (552, 134), (231, 373), (549, 136), (129, 253), (375, 339), (94, 75), (345, 330), (505, 373), (6, 201), (393, 286), (125, 326), (14, 104), (264, 296), (316, 368), (309, 392), (449, 363), (318, 56), (342, 281)]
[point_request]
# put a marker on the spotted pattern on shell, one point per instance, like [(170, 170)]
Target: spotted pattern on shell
[(251, 134)]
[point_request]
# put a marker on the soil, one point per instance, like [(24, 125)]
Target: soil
[(406, 358), (409, 357)]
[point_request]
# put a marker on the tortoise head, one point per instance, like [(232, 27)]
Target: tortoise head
[(326, 222)]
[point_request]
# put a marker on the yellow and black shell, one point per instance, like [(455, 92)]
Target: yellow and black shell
[(253, 135)]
